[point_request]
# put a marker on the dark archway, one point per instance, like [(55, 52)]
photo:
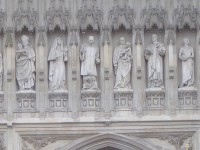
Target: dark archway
[(109, 148)]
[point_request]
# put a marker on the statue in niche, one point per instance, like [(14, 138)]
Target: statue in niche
[(186, 55), (25, 64), (57, 58), (89, 56), (122, 64), (154, 55), (1, 72)]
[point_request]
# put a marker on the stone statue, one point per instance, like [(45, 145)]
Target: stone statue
[(122, 64), (57, 58), (1, 72), (89, 56), (186, 55), (25, 64), (154, 55)]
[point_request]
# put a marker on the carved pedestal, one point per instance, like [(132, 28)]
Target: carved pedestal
[(155, 98), (187, 98), (90, 100), (58, 101), (123, 99), (2, 103), (26, 101)]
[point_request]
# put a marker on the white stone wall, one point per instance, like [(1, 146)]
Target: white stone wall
[(124, 119)]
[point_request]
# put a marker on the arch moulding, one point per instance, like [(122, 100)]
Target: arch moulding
[(109, 140)]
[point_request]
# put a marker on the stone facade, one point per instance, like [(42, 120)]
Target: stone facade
[(51, 99)]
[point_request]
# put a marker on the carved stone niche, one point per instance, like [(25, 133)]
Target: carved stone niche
[(90, 100), (25, 16), (58, 101), (155, 98), (123, 99), (26, 101), (187, 98)]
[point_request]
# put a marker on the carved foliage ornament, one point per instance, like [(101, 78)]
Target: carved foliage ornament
[(178, 140), (186, 16), (122, 17), (39, 142), (154, 17), (25, 17)]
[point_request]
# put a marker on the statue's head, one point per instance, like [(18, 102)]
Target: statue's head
[(25, 40), (154, 38), (122, 41), (186, 41), (91, 40)]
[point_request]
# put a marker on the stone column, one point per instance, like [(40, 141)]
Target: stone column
[(74, 69), (171, 68), (10, 69), (138, 52), (196, 65), (40, 71), (106, 64)]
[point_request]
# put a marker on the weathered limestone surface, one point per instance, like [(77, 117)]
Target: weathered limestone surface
[(140, 87)]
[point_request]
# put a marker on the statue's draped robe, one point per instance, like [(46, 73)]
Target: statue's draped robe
[(25, 68), (89, 55), (154, 54), (57, 57), (186, 54), (122, 66)]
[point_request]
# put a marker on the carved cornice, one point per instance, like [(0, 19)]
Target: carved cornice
[(57, 18), (90, 93), (155, 92), (186, 16), (154, 17), (187, 92), (25, 17), (89, 17), (122, 16)]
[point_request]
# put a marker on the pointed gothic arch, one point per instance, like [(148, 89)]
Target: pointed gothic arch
[(109, 140)]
